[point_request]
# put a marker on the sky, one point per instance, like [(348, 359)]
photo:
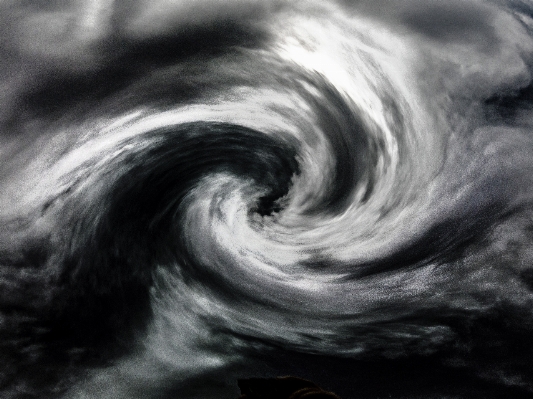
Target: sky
[(193, 192)]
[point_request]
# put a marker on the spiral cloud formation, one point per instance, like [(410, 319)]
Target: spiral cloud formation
[(198, 191)]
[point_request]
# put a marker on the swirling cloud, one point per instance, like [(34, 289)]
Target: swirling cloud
[(192, 191)]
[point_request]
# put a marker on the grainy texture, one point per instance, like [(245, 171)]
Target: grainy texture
[(195, 192)]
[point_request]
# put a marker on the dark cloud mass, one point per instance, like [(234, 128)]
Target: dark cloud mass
[(195, 193)]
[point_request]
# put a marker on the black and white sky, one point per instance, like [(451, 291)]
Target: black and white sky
[(193, 192)]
